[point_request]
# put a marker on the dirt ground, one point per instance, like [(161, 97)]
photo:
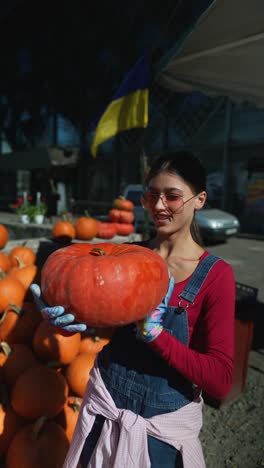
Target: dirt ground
[(233, 436)]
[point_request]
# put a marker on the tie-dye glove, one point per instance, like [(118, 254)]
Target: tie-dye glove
[(64, 323), (151, 326)]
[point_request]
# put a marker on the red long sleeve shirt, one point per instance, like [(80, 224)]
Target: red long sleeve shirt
[(208, 361)]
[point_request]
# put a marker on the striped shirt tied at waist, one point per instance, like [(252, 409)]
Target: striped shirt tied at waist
[(123, 440)]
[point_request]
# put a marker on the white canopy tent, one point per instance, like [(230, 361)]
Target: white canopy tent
[(223, 55)]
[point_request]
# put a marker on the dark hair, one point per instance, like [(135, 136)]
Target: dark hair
[(184, 164), (187, 166)]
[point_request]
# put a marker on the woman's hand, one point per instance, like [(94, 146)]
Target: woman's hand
[(56, 315), (151, 326)]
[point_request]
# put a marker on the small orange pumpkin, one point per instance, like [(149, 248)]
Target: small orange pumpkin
[(26, 274), (121, 216), (39, 390), (50, 345), (11, 292), (67, 418), (123, 204), (86, 227), (78, 371), (106, 230), (63, 230), (5, 263), (10, 423), (25, 254), (18, 324), (42, 444), (95, 343), (124, 229), (18, 358)]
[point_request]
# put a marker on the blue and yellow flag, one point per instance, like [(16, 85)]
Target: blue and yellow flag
[(129, 107)]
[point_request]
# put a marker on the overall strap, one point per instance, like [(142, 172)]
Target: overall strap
[(198, 277)]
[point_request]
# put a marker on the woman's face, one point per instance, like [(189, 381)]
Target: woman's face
[(171, 202)]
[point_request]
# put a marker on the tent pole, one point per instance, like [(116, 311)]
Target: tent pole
[(225, 166)]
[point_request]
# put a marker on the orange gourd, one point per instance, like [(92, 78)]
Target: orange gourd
[(86, 228), (18, 324), (67, 418), (4, 236), (78, 371), (50, 345), (106, 284), (39, 391), (11, 292), (63, 230), (25, 254), (42, 444)]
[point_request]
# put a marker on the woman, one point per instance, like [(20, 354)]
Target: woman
[(158, 368)]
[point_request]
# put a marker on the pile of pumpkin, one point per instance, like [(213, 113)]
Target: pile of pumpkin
[(86, 227), (43, 374)]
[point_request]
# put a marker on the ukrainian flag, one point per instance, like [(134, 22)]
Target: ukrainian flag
[(129, 107)]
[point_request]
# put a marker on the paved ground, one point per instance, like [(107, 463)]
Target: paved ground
[(233, 436)]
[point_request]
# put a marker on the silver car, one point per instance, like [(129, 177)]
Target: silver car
[(215, 224)]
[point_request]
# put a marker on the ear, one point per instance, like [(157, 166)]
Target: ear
[(200, 200)]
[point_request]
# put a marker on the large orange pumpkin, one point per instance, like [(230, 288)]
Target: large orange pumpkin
[(49, 345), (11, 292), (18, 324), (39, 445), (86, 228), (39, 391), (4, 236), (105, 284)]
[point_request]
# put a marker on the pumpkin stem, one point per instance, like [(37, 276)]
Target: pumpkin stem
[(76, 404), (97, 251), (20, 264), (53, 364), (38, 426), (14, 308), (6, 348), (4, 396), (87, 214)]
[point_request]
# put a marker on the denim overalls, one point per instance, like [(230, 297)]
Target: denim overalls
[(139, 380)]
